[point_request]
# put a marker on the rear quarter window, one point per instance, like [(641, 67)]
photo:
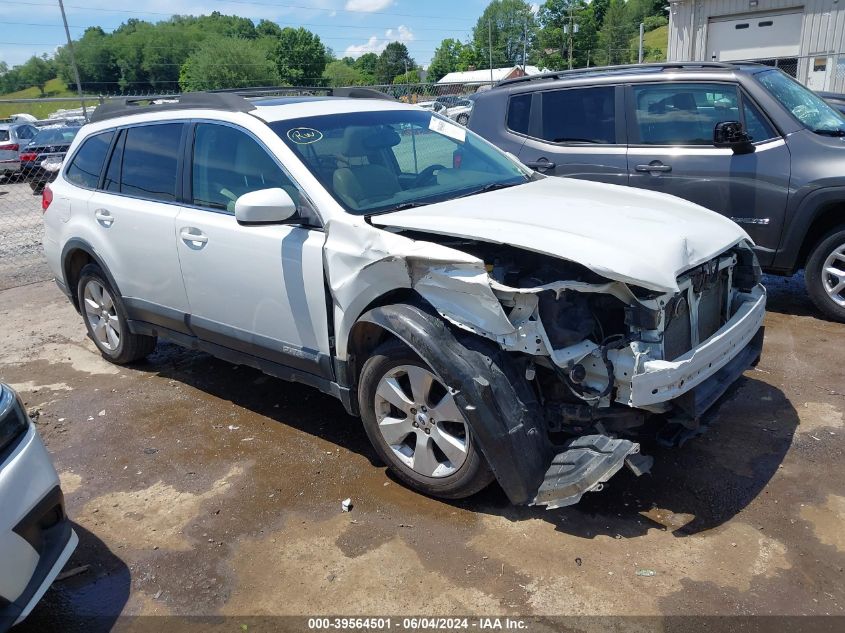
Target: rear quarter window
[(4, 135), (84, 170), (519, 113)]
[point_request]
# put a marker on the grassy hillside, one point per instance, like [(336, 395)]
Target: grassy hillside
[(656, 43), (54, 88)]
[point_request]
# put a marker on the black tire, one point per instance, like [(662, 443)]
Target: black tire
[(130, 347), (815, 277), (463, 119), (471, 477)]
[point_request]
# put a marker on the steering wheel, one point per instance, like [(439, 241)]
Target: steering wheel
[(426, 175)]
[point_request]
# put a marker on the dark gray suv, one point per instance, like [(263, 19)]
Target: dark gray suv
[(745, 140)]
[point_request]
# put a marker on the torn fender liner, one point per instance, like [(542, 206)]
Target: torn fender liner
[(584, 466), (492, 393)]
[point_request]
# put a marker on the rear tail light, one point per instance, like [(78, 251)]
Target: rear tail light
[(28, 157), (10, 147), (457, 159), (46, 198)]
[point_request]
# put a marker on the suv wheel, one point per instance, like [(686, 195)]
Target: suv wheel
[(105, 319), (463, 119), (825, 275), (416, 426)]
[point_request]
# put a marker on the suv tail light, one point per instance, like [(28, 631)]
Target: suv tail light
[(46, 198), (10, 147), (28, 157)]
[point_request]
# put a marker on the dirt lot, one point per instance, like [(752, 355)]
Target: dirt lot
[(199, 487)]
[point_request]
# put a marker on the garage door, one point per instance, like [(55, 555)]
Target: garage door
[(755, 36)]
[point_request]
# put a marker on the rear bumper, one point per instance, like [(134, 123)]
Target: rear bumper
[(661, 381)]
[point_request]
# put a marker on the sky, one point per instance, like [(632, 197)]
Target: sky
[(348, 27)]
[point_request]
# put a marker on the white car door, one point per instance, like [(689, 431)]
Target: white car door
[(132, 214), (256, 290)]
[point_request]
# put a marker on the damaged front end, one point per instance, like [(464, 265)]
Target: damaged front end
[(588, 360)]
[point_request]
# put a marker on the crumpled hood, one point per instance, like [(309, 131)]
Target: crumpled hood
[(622, 233)]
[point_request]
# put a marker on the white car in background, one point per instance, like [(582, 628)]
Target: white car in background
[(36, 538)]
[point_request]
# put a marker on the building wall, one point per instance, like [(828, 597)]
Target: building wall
[(823, 29)]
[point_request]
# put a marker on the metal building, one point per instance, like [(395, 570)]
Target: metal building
[(806, 39)]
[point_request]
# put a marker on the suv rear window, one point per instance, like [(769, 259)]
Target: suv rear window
[(150, 158), (88, 161), (579, 115)]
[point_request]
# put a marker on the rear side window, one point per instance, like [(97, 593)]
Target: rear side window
[(88, 161), (150, 160), (579, 115), (519, 112), (4, 135)]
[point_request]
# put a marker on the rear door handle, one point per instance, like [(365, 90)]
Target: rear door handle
[(540, 165), (104, 217), (654, 166), (193, 237)]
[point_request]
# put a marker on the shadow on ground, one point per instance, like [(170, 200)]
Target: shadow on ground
[(696, 487), (89, 602)]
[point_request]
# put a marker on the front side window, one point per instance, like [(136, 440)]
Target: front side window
[(812, 111), (579, 115), (376, 162), (84, 170), (227, 163), (150, 161)]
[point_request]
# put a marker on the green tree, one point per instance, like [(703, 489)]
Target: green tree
[(410, 77), (267, 28), (228, 62), (36, 71), (300, 56), (554, 20), (339, 73), (394, 60), (615, 35), (447, 59), (513, 30), (366, 65)]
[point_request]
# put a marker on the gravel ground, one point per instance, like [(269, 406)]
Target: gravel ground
[(202, 488)]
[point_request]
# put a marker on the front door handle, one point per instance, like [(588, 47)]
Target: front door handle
[(193, 237), (104, 217), (542, 165), (654, 167)]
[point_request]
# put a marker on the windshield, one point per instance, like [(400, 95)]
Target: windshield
[(810, 109), (55, 136), (375, 162)]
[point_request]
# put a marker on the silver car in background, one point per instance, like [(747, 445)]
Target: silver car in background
[(13, 137)]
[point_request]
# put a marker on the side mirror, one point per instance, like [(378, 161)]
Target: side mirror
[(265, 206), (729, 134)]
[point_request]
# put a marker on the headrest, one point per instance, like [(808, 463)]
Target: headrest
[(361, 141)]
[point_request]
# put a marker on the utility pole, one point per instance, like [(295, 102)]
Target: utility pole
[(571, 29), (490, 46), (642, 34), (73, 60), (524, 43)]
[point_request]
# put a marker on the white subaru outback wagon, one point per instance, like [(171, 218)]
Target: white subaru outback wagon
[(484, 321)]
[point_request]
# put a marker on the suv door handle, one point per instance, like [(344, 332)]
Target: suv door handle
[(654, 166), (193, 237), (542, 165), (104, 217)]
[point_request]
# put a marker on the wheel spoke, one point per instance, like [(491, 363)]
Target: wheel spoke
[(421, 381), (425, 462), (834, 272), (395, 430), (838, 288), (446, 410), (453, 447), (100, 330), (108, 304), (96, 292), (91, 307), (390, 389), (111, 335)]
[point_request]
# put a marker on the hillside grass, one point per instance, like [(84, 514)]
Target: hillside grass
[(54, 88), (656, 44)]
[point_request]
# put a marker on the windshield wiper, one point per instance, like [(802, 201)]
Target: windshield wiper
[(824, 132), (493, 186), (405, 205)]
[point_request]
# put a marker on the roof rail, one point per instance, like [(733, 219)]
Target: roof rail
[(351, 92), (123, 106), (656, 67)]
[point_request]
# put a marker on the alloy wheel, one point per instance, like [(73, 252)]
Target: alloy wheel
[(833, 275), (102, 316)]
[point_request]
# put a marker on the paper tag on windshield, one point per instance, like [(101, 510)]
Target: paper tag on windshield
[(444, 127)]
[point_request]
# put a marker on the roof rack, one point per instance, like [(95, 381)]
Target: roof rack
[(352, 92), (122, 106), (657, 67)]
